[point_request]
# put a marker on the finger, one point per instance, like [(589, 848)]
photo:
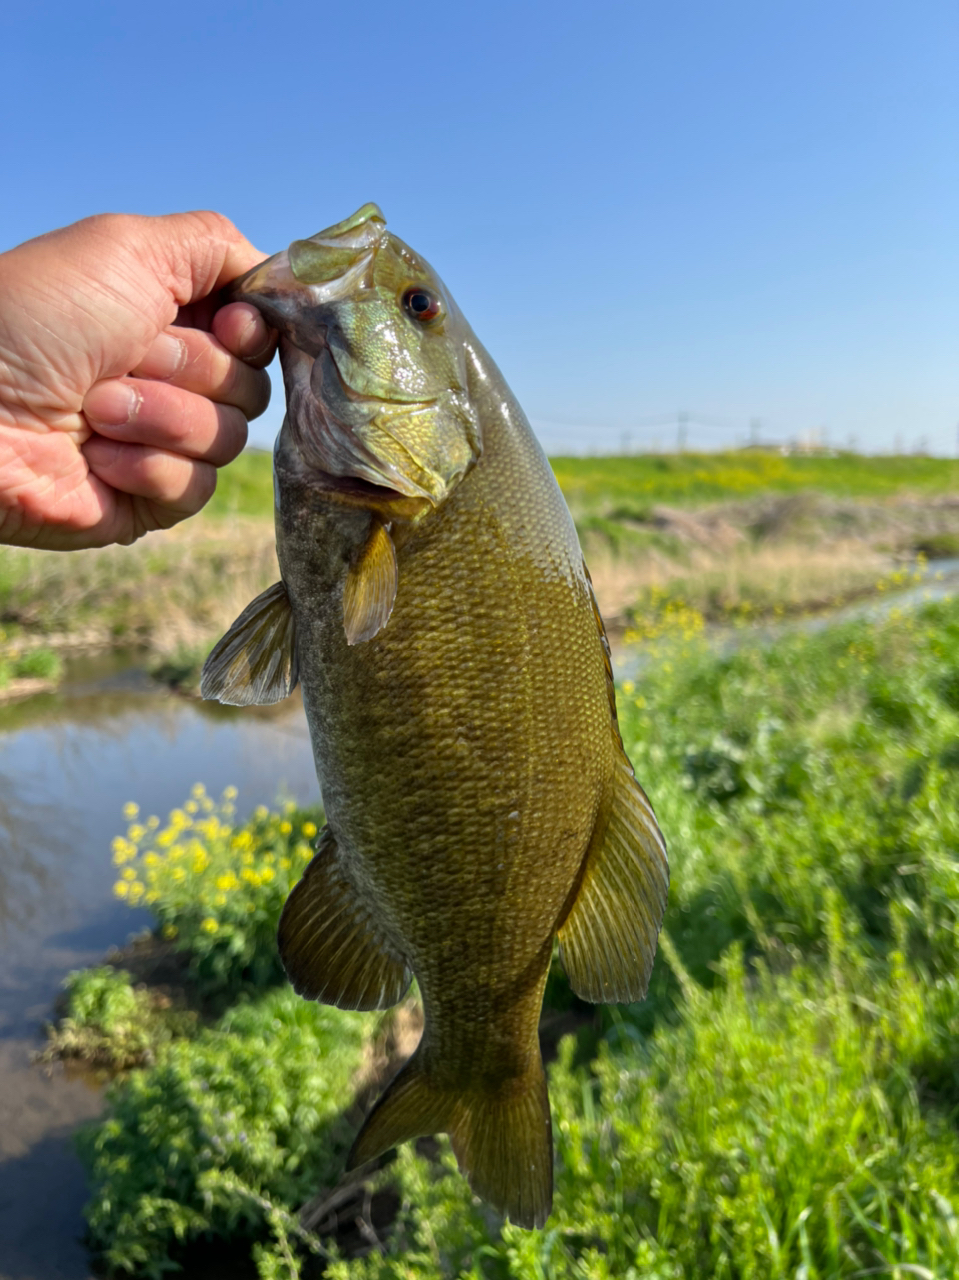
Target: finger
[(198, 362), (137, 411), (179, 484), (242, 330)]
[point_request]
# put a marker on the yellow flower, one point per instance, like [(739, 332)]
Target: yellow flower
[(220, 900), (129, 873), (130, 810), (151, 896), (209, 925), (169, 931), (227, 882), (250, 876), (285, 827), (152, 822), (121, 889), (309, 830), (261, 812), (136, 891), (198, 791), (191, 806), (151, 859), (230, 793), (179, 875), (305, 852), (136, 832), (266, 875), (285, 863), (628, 687)]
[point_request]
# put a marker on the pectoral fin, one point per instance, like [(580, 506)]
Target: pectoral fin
[(255, 662), (329, 944), (370, 588), (608, 940)]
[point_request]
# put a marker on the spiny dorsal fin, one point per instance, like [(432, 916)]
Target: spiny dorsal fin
[(255, 663), (330, 946), (502, 1139), (608, 940), (370, 587)]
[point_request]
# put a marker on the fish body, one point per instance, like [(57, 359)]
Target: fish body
[(457, 686)]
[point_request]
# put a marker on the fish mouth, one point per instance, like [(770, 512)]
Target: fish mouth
[(336, 429)]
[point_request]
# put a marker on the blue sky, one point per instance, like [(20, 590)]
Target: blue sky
[(739, 210)]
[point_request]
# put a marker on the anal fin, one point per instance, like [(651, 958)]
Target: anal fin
[(502, 1137), (608, 939), (370, 588), (329, 943), (255, 662)]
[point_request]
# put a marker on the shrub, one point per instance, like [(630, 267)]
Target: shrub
[(216, 889), (223, 1132), (106, 1021)]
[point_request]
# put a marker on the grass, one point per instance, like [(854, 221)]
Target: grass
[(785, 1102)]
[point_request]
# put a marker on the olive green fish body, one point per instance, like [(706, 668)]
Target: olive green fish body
[(435, 607)]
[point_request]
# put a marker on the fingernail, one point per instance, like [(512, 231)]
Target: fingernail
[(112, 404), (165, 359)]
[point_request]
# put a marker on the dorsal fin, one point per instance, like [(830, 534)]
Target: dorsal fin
[(255, 663)]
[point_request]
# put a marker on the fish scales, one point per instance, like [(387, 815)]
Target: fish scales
[(456, 683)]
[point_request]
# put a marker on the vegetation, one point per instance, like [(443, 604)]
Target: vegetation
[(784, 1103)]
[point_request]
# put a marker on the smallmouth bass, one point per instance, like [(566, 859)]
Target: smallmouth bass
[(435, 607)]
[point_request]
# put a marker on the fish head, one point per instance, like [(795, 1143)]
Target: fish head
[(373, 350)]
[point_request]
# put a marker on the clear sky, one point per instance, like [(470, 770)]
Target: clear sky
[(746, 210)]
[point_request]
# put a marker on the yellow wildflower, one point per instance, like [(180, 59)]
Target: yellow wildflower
[(266, 875), (151, 859), (209, 925), (136, 891), (152, 822), (285, 863), (169, 932), (121, 889), (309, 830), (305, 852), (136, 832), (130, 810), (226, 882), (191, 806), (220, 900), (179, 875), (151, 896), (129, 873), (285, 827), (230, 793), (261, 812), (198, 791)]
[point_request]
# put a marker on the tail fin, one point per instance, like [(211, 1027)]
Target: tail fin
[(503, 1139)]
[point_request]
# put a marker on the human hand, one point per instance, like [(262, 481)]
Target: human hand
[(122, 387)]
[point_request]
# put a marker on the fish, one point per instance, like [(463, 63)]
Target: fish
[(436, 610)]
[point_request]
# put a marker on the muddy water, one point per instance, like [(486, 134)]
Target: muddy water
[(68, 763)]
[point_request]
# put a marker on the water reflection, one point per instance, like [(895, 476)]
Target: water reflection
[(68, 764)]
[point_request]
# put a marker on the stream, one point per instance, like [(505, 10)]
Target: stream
[(69, 761)]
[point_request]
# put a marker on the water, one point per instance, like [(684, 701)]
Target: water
[(68, 763), (939, 579)]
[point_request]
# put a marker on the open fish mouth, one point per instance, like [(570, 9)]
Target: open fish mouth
[(376, 391)]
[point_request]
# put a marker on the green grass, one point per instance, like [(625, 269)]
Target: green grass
[(785, 1102), (628, 487)]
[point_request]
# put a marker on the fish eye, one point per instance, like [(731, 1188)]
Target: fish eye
[(421, 303)]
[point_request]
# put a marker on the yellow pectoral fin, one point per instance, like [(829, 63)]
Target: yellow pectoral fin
[(608, 940), (370, 588), (330, 946), (255, 663)]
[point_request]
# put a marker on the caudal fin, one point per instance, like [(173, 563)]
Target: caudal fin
[(503, 1139)]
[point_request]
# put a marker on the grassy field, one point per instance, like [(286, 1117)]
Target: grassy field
[(785, 1103), (726, 535)]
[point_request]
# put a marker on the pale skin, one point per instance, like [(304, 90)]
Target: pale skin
[(123, 387)]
